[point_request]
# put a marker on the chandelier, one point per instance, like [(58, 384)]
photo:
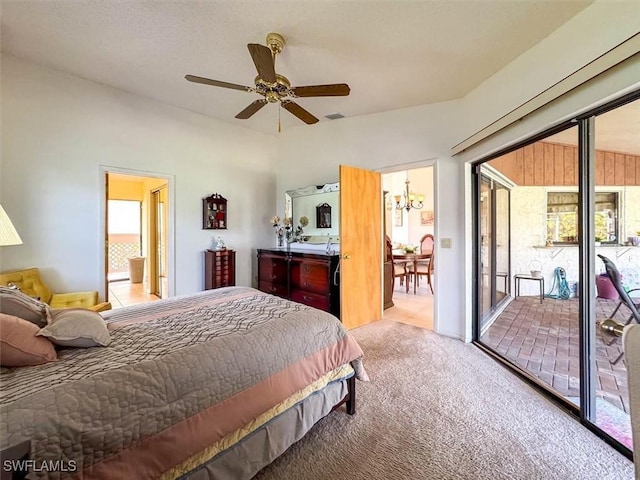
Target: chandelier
[(410, 200)]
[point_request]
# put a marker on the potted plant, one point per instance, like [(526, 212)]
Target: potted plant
[(409, 248)]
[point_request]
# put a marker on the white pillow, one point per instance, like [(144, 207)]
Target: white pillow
[(77, 327)]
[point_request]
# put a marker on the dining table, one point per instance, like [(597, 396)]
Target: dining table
[(413, 258)]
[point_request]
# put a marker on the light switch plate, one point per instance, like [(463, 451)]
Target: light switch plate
[(445, 243)]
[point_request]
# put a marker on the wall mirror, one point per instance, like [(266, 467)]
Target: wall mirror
[(304, 202)]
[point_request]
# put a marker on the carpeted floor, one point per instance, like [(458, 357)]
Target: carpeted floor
[(437, 408)]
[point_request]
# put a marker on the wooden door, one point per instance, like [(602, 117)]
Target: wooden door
[(360, 246)]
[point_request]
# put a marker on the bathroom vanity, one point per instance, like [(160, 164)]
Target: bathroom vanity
[(305, 276)]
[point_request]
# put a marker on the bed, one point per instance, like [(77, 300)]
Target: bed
[(209, 385)]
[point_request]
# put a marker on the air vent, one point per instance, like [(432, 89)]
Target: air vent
[(334, 116)]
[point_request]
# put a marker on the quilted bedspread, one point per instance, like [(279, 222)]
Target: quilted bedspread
[(179, 375)]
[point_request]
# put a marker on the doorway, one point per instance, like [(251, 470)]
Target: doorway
[(137, 234), (409, 206)]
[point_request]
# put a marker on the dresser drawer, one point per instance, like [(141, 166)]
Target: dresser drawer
[(310, 276), (219, 268), (273, 288), (320, 302), (272, 268)]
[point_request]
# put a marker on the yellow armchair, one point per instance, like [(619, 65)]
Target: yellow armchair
[(29, 282)]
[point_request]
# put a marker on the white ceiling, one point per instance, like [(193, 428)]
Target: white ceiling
[(393, 54), (616, 131)]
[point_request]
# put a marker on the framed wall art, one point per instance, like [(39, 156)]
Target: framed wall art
[(323, 216), (397, 218), (426, 218)]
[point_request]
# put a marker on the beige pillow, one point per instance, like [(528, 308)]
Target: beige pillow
[(19, 344), (77, 327), (14, 302)]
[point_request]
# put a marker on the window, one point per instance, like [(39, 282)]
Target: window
[(562, 217)]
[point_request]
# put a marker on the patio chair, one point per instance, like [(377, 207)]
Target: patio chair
[(625, 299)]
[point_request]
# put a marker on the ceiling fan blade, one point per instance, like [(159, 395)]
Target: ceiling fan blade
[(263, 60), (251, 109), (332, 90), (217, 83), (299, 112)]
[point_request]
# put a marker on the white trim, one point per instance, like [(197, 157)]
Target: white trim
[(468, 253), (407, 166), (497, 176), (613, 57), (171, 273)]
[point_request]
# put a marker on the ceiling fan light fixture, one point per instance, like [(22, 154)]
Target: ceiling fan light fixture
[(273, 86)]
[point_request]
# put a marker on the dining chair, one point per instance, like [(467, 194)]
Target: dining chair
[(625, 299), (425, 267), (399, 266)]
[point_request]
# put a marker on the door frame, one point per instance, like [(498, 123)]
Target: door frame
[(495, 177), (156, 260), (104, 170), (432, 162)]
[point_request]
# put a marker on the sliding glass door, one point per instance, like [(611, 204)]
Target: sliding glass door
[(486, 241), (494, 244), (616, 236), (545, 211)]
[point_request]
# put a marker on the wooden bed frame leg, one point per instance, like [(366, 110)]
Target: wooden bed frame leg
[(351, 396)]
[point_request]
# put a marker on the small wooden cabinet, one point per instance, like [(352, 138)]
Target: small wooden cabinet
[(214, 212), (311, 278), (219, 269)]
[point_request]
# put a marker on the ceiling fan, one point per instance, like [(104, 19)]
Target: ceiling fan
[(273, 86)]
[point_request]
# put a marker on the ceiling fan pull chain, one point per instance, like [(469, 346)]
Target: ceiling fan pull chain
[(279, 108)]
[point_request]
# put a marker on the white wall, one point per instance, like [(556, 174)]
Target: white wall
[(590, 34), (58, 129), (51, 120)]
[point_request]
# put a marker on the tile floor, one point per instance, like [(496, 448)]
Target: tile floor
[(123, 293), (543, 340), (412, 309)]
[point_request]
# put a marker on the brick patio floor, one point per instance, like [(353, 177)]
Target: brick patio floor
[(543, 340)]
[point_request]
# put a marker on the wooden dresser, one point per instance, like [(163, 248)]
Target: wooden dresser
[(219, 269), (304, 276)]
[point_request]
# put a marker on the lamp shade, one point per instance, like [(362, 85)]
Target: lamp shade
[(8, 233)]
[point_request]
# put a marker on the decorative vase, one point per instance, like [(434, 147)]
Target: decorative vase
[(279, 240)]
